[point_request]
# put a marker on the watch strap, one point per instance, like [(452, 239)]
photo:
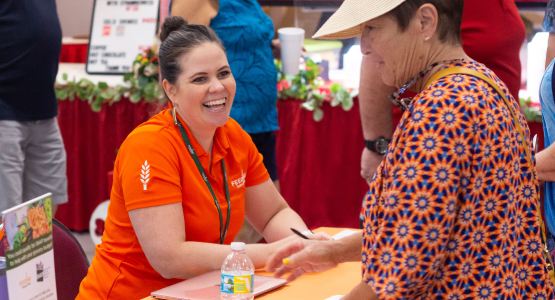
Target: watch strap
[(371, 144)]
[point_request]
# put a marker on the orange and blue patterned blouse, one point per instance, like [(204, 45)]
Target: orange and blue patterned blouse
[(451, 212)]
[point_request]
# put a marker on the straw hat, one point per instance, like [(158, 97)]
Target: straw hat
[(345, 22)]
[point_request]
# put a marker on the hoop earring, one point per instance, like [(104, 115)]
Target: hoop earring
[(427, 38)]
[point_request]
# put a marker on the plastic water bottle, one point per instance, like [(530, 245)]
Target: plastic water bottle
[(237, 275)]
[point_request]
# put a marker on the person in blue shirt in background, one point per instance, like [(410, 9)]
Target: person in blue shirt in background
[(247, 34), (545, 160)]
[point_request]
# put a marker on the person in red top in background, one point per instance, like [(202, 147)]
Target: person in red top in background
[(492, 33)]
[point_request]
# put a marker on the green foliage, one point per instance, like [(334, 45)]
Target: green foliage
[(305, 87), (532, 113), (142, 85)]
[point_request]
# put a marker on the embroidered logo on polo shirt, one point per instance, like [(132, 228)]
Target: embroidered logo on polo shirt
[(240, 181), (145, 174)]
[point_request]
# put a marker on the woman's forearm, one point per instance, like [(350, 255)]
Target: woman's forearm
[(191, 259), (279, 226), (348, 249), (161, 232), (545, 163)]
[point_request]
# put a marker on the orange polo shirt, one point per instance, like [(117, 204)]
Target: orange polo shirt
[(154, 168)]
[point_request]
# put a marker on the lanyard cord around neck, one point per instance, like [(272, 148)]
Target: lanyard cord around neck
[(404, 103), (223, 232)]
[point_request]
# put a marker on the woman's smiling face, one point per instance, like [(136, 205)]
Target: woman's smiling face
[(392, 50), (203, 93)]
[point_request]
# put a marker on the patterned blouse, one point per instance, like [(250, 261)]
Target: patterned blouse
[(451, 213)]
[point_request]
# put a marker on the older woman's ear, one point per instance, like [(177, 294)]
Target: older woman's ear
[(427, 17)]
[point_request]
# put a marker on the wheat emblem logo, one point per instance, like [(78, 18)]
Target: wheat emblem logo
[(145, 174), (191, 150)]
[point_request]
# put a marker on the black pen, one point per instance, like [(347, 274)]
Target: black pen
[(299, 234)]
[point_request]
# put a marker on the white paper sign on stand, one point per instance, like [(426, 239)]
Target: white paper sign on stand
[(120, 30), (29, 252)]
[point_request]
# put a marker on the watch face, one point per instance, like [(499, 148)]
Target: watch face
[(381, 146)]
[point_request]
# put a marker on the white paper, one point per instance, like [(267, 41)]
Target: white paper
[(336, 297), (344, 233), (120, 30)]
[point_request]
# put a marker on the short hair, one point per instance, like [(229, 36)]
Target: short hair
[(449, 17)]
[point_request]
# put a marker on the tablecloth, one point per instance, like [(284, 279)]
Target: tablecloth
[(319, 164), (74, 50), (91, 140)]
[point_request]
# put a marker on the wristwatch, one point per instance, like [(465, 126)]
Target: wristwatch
[(378, 145)]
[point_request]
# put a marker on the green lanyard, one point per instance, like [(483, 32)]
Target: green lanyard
[(223, 232)]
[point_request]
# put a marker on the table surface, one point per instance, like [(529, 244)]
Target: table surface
[(316, 286)]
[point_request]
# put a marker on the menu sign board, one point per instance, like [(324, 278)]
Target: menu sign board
[(120, 30), (29, 252)]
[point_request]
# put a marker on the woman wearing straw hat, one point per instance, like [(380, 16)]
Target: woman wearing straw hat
[(452, 212)]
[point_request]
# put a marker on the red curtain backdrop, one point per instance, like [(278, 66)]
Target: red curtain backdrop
[(74, 53), (91, 140), (319, 164)]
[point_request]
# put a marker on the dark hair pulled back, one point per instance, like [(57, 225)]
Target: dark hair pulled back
[(179, 38)]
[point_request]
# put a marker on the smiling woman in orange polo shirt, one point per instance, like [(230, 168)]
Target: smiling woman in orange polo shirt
[(184, 182)]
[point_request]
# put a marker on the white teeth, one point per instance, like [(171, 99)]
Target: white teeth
[(215, 102)]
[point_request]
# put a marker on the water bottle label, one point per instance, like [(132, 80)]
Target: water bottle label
[(238, 284)]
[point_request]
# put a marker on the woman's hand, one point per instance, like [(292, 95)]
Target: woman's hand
[(314, 255), (303, 256), (276, 48), (369, 163)]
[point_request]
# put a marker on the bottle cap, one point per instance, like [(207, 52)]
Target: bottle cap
[(237, 246)]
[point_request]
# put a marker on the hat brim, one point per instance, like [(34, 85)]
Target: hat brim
[(347, 20)]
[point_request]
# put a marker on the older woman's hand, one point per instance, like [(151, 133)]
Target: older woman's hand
[(369, 163), (302, 256)]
